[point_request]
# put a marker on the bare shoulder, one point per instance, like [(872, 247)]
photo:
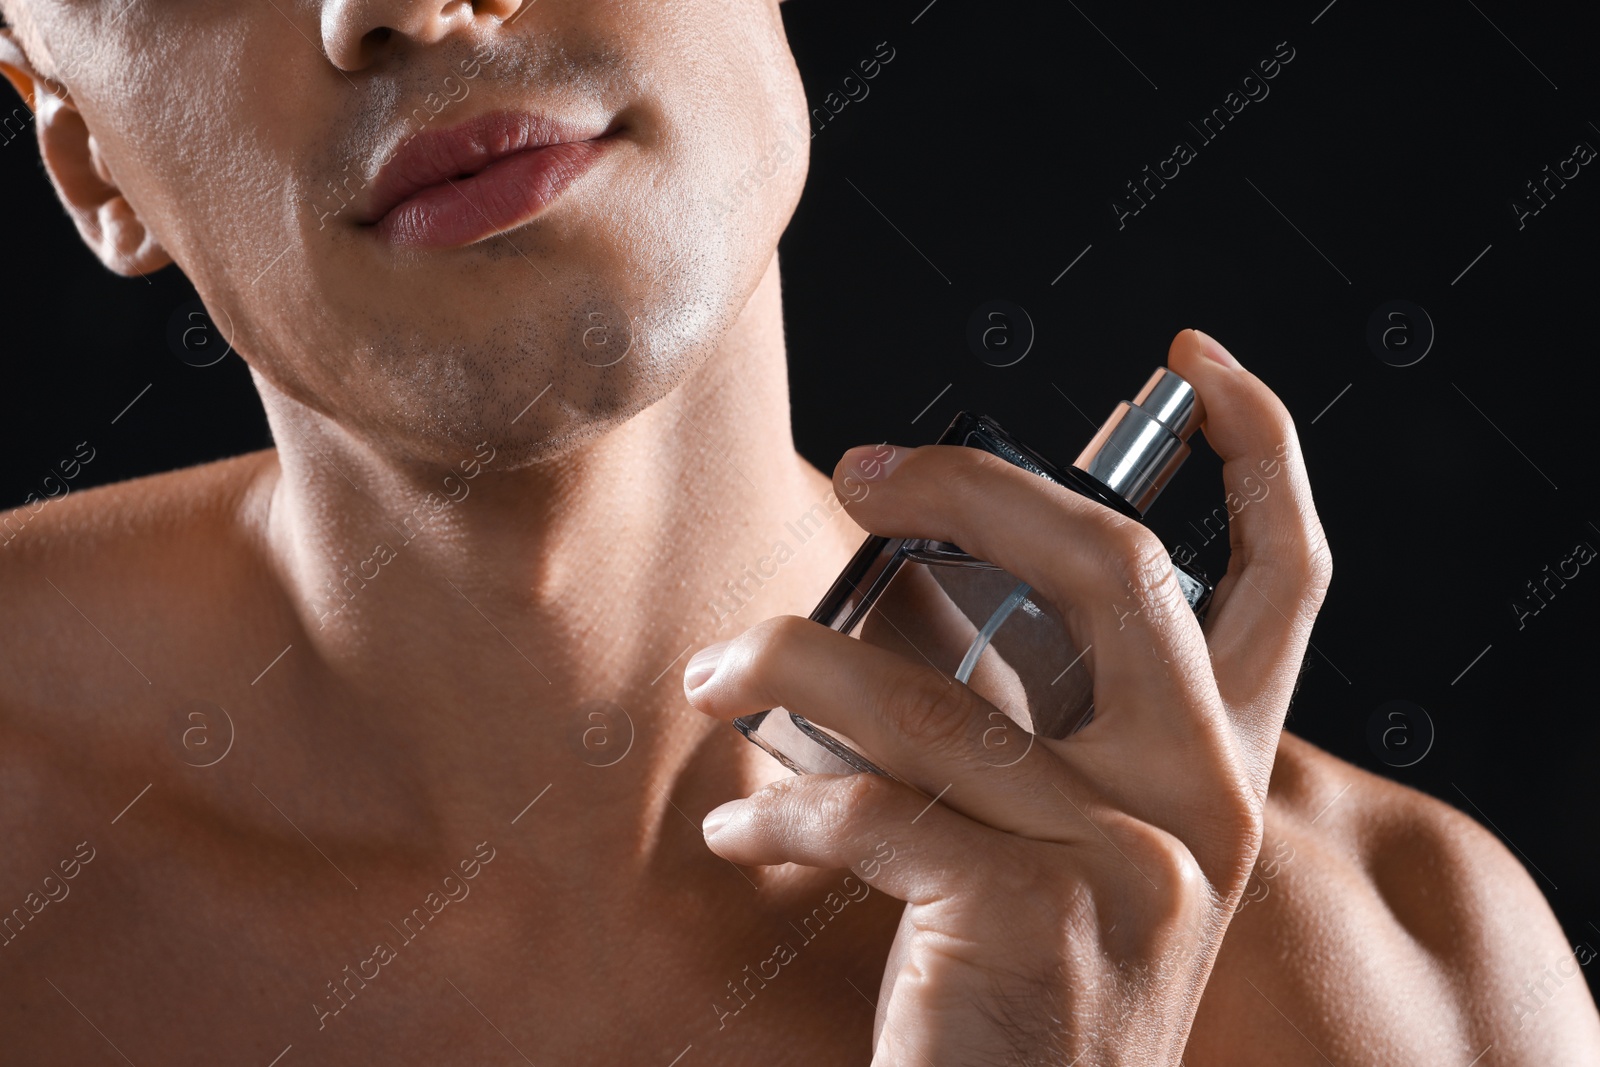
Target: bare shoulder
[(117, 599), (97, 524), (125, 549), (1384, 926), (120, 566)]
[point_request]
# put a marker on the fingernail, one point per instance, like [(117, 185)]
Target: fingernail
[(1211, 347), (718, 817), (702, 665), (874, 462)]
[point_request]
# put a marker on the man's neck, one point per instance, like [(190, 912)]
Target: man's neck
[(535, 627)]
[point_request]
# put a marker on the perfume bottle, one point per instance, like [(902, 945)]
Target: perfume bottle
[(932, 602)]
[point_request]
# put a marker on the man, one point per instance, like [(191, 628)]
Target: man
[(370, 747)]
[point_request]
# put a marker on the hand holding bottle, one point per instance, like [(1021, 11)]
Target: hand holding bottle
[(1066, 906)]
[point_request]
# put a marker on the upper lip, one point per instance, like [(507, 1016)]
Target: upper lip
[(433, 156)]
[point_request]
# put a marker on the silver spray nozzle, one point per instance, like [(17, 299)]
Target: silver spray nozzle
[(1145, 440)]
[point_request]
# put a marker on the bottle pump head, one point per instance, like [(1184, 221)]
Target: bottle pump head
[(1145, 440)]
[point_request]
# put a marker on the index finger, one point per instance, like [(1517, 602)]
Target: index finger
[(1279, 565)]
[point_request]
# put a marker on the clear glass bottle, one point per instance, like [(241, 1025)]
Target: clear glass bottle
[(932, 602)]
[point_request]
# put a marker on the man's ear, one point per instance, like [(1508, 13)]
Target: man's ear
[(105, 220)]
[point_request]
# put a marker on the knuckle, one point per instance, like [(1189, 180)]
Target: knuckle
[(777, 633), (1307, 561), (1308, 550), (851, 797), (1026, 882), (1175, 866), (757, 649), (969, 468), (1277, 422), (1243, 821), (935, 712), (1179, 882), (964, 475), (968, 474), (1137, 560), (1233, 829), (804, 805), (765, 643), (1318, 562)]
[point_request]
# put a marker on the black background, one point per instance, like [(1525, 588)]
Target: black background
[(982, 162)]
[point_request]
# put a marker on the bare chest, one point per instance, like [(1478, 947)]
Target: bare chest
[(161, 963)]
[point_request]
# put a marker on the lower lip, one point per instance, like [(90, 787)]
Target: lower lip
[(507, 193)]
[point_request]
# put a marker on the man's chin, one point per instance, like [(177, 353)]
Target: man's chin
[(524, 426)]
